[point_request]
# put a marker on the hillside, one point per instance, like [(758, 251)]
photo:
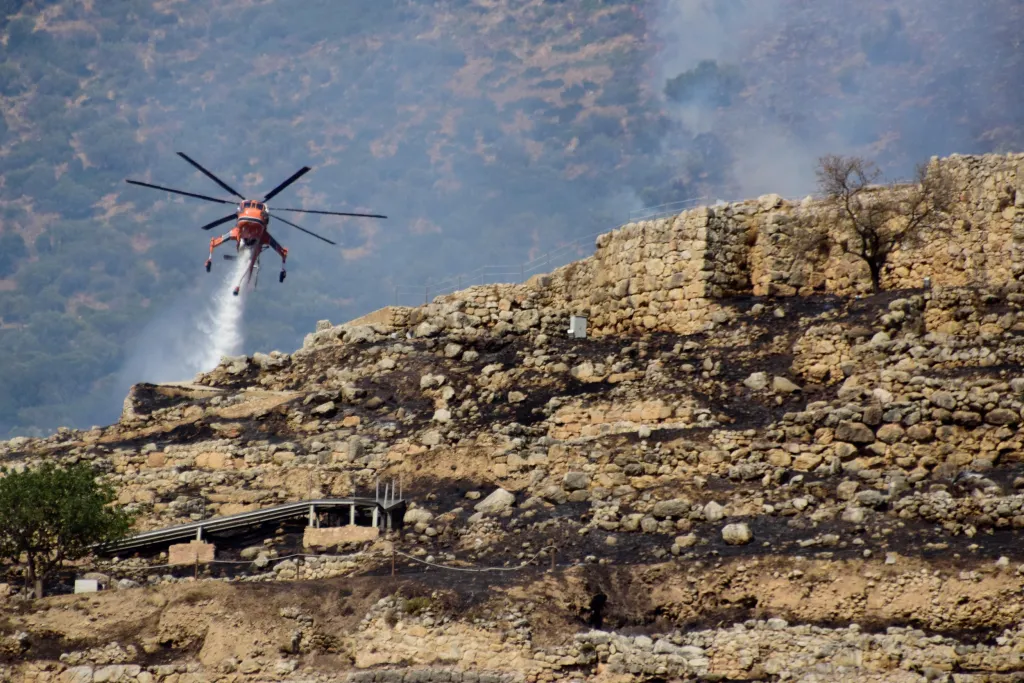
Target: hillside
[(488, 132), (715, 484)]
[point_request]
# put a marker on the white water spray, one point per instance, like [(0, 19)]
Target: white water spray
[(221, 325), (193, 333)]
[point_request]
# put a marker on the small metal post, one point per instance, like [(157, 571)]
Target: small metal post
[(195, 574), (311, 513), (199, 534), (376, 494), (352, 515)]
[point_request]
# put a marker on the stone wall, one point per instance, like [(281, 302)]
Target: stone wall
[(676, 273), (980, 245)]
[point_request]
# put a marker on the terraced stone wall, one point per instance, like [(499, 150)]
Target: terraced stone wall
[(980, 244), (673, 273)]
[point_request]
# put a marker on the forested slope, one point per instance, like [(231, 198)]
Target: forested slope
[(487, 130)]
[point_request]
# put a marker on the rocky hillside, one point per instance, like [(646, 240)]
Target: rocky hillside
[(806, 487), (488, 131)]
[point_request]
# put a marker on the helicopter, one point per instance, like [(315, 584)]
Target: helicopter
[(252, 219)]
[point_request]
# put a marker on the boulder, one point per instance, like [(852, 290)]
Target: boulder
[(756, 381), (871, 498), (575, 481), (854, 432), (677, 507), (425, 329), (499, 500), (846, 490), (417, 516), (713, 512), (737, 534), (781, 385), (890, 433), (1002, 416), (325, 408)]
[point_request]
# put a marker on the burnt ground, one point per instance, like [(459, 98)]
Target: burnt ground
[(524, 535), (612, 595), (766, 335)]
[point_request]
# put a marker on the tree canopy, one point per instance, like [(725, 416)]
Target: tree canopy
[(49, 515)]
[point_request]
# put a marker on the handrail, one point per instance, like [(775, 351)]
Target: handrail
[(244, 519)]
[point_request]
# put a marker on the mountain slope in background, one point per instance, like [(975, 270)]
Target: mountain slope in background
[(488, 132)]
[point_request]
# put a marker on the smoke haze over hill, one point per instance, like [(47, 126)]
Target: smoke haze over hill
[(781, 82), (488, 133)]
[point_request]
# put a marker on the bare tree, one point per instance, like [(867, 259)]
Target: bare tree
[(881, 218)]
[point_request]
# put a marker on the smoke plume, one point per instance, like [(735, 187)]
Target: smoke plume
[(772, 85)]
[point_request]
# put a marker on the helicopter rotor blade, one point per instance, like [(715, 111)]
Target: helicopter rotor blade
[(210, 175), (187, 194), (219, 221), (308, 232), (335, 213), (295, 176)]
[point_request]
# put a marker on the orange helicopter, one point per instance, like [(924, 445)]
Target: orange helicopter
[(251, 221)]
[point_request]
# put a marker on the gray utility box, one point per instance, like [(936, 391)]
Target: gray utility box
[(578, 326)]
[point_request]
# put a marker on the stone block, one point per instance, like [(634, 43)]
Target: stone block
[(326, 537), (190, 553)]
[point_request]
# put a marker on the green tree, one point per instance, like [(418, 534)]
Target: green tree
[(50, 514)]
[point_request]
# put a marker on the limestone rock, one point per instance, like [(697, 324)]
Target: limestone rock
[(756, 381), (677, 507), (737, 534), (575, 481), (854, 432), (846, 490), (781, 385), (713, 512), (497, 501), (1002, 416), (890, 433)]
